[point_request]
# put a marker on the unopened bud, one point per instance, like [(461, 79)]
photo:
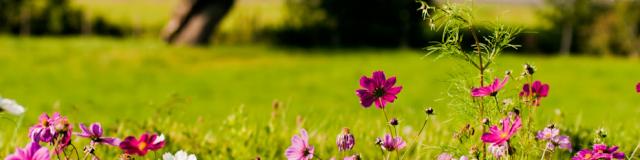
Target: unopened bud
[(485, 121), (393, 122), (529, 69), (378, 141), (429, 111)]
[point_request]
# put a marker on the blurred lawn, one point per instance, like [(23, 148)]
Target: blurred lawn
[(110, 80)]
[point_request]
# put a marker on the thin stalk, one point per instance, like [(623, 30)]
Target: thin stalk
[(634, 151), (415, 139), (387, 121), (498, 104), (543, 152), (75, 149)]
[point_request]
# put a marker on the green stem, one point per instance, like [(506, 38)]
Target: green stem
[(387, 122)]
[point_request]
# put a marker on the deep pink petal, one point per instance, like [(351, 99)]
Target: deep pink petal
[(394, 90), (367, 83), (378, 77), (389, 82), (638, 87), (41, 154), (96, 128), (480, 92), (366, 97), (544, 90), (490, 138), (389, 97), (85, 131)]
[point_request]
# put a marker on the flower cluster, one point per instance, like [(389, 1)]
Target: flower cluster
[(56, 131), (535, 91), (599, 151)]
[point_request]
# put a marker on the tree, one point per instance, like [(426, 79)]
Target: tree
[(194, 21)]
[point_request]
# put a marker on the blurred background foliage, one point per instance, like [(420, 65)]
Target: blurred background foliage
[(594, 27)]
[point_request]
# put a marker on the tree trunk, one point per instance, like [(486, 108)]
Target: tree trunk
[(567, 38), (194, 21)]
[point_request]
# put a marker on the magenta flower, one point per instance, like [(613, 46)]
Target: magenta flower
[(95, 134), (638, 87), (608, 152), (585, 154), (600, 151), (300, 148), (131, 145), (537, 91), (43, 131), (390, 144), (377, 89), (54, 130), (491, 90), (32, 151), (345, 140), (499, 136)]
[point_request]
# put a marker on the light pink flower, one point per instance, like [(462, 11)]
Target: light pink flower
[(300, 148)]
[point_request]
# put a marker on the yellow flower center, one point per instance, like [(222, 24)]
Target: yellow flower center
[(142, 145), (44, 123), (587, 156), (503, 135)]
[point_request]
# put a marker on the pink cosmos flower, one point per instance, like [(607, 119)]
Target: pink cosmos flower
[(390, 144), (538, 90), (553, 139), (300, 148), (54, 130), (585, 154), (600, 151), (95, 134), (499, 136), (447, 156), (131, 145), (491, 90), (43, 131), (377, 89), (32, 151), (547, 133), (608, 152)]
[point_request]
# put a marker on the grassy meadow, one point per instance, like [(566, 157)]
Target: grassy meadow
[(193, 95)]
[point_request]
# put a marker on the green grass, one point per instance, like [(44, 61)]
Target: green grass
[(133, 86)]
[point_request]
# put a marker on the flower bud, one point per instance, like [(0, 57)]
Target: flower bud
[(485, 121), (378, 141), (345, 140), (529, 69), (393, 122), (429, 111)]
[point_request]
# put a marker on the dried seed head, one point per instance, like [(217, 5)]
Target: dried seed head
[(378, 141), (529, 69), (486, 121), (551, 126), (393, 122), (601, 133), (429, 111)]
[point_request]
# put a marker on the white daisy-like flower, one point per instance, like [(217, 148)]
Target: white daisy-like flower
[(180, 155), (10, 106)]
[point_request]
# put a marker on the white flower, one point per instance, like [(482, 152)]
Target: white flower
[(159, 139), (180, 155), (10, 105)]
